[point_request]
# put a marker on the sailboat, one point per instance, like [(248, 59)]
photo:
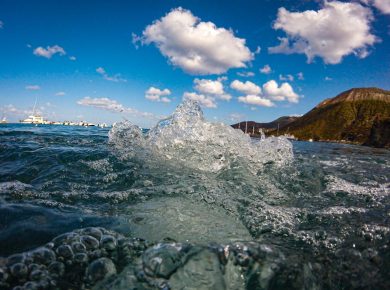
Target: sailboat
[(3, 120), (35, 118)]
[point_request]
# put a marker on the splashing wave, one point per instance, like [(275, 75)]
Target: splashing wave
[(185, 139)]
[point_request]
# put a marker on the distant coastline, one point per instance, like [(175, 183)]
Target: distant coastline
[(66, 123)]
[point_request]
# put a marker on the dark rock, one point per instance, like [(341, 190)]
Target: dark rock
[(65, 251), (108, 243), (162, 260), (57, 268), (30, 286), (19, 270), (90, 242), (66, 238), (79, 247), (94, 232), (81, 258), (17, 258), (43, 256), (3, 275), (100, 269), (37, 275)]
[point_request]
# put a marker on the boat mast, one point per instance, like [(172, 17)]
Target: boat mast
[(36, 99)]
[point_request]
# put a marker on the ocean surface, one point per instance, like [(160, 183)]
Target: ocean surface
[(189, 205)]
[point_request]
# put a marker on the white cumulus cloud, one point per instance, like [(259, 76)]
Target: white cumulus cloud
[(203, 100), (256, 100), (33, 87), (334, 31), (49, 51), (246, 74), (213, 88), (283, 92), (265, 96), (286, 78), (115, 78), (10, 109), (266, 69), (248, 87), (113, 106), (21, 113), (197, 47), (208, 92), (209, 86), (382, 5), (102, 103), (157, 95)]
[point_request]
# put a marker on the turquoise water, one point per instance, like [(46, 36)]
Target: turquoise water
[(189, 205)]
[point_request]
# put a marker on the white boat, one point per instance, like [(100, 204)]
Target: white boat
[(35, 118), (3, 121)]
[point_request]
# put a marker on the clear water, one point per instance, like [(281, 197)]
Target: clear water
[(189, 205)]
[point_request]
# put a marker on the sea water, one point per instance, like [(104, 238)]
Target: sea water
[(189, 204)]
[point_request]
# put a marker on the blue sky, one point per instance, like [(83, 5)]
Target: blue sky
[(103, 61)]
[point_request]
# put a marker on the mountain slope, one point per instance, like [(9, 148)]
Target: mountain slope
[(350, 117), (254, 126)]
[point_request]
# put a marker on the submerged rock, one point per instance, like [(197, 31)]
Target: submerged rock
[(65, 251), (116, 260), (43, 255), (108, 243), (162, 260), (19, 271), (201, 272), (57, 269), (90, 242), (130, 263), (100, 269)]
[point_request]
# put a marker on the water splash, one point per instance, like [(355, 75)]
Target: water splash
[(186, 139)]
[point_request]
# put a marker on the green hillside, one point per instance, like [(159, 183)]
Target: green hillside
[(350, 117)]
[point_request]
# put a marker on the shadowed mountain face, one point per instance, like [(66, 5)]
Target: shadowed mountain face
[(255, 127), (357, 116)]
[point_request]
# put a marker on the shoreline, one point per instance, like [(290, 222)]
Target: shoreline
[(326, 141)]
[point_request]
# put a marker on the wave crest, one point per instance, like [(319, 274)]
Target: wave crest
[(186, 139)]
